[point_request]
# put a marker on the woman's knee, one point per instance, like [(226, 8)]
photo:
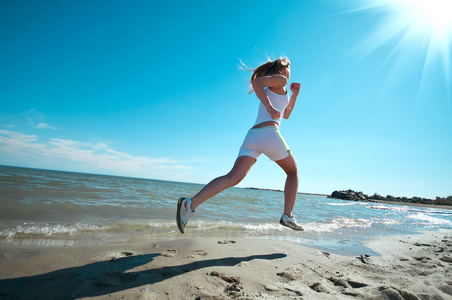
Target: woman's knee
[(234, 179), (289, 165), (241, 167), (293, 170)]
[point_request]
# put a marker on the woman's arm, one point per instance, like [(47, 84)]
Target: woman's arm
[(295, 89), (259, 85)]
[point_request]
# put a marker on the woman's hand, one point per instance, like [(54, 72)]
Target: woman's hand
[(295, 88), (259, 85), (276, 114)]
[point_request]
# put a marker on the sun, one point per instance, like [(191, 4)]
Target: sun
[(431, 17), (416, 28), (418, 19), (434, 15)]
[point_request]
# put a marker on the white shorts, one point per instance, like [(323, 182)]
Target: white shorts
[(265, 140)]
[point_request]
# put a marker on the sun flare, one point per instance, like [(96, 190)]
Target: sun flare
[(420, 19), (431, 17), (434, 14), (414, 28)]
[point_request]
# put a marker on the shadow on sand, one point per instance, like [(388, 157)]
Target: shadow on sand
[(106, 277)]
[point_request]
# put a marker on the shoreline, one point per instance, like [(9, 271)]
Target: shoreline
[(448, 207), (427, 205), (228, 268)]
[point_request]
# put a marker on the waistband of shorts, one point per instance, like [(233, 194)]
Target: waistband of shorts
[(273, 127)]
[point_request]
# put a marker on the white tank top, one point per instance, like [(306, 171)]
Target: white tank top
[(280, 102)]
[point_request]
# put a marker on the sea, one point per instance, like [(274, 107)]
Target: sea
[(46, 208)]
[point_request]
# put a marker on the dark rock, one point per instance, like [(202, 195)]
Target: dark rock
[(349, 195)]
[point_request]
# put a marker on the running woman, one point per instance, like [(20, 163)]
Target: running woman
[(269, 81)]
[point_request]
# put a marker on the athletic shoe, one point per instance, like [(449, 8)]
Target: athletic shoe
[(290, 222), (184, 213)]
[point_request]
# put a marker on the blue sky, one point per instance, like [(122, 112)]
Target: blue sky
[(153, 89)]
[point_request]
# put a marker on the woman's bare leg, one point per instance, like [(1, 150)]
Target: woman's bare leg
[(289, 165), (241, 167)]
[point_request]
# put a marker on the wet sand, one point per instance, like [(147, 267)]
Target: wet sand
[(409, 267)]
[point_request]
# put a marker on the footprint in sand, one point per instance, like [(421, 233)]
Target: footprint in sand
[(116, 255), (190, 254), (169, 253), (195, 254), (226, 242), (288, 276)]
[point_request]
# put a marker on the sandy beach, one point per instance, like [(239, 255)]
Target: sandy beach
[(409, 267)]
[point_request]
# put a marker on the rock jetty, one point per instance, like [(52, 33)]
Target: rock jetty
[(360, 196)]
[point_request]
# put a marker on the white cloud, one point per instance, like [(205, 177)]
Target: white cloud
[(44, 126), (82, 156), (16, 138)]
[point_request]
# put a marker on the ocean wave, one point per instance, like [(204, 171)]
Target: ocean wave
[(338, 223), (340, 204), (350, 203), (413, 209), (45, 229), (168, 228), (275, 228), (429, 220)]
